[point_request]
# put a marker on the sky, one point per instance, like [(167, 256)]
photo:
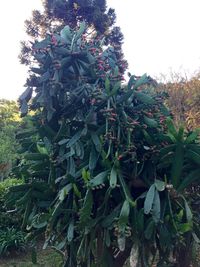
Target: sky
[(160, 36)]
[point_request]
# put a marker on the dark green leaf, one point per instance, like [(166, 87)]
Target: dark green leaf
[(86, 210), (156, 207), (142, 80), (150, 122), (99, 179), (113, 177), (70, 231), (144, 98), (93, 159), (177, 165), (96, 141), (74, 139), (149, 199), (160, 185), (149, 231)]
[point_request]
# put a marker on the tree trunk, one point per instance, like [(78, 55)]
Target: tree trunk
[(184, 256), (122, 257)]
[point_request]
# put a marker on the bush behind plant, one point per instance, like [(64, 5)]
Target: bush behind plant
[(8, 219), (12, 240)]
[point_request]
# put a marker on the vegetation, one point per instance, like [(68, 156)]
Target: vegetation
[(6, 218), (183, 100), (57, 14), (108, 170), (9, 121), (45, 258), (11, 240)]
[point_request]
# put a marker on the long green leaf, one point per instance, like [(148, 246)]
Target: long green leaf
[(113, 177), (99, 179), (86, 210), (177, 165), (148, 203), (156, 207), (144, 98), (74, 139)]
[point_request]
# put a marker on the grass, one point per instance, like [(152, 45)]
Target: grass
[(45, 258), (49, 258)]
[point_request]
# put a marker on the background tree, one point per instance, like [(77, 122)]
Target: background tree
[(184, 99), (71, 12), (9, 123)]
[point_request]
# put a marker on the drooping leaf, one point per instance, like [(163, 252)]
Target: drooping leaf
[(123, 217), (156, 207), (149, 230), (150, 122), (142, 80), (144, 98), (149, 199), (86, 210), (74, 139), (26, 95), (93, 158), (96, 141), (188, 211), (122, 222), (70, 231), (99, 179), (64, 192), (177, 165), (113, 178), (160, 185)]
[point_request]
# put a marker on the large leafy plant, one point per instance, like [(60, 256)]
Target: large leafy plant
[(95, 183)]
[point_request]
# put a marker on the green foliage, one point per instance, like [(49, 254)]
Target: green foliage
[(8, 219), (6, 184), (9, 122), (9, 112), (106, 170), (180, 159), (11, 240), (7, 145), (57, 14)]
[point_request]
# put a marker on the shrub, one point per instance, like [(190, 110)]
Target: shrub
[(11, 241), (184, 99), (6, 218)]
